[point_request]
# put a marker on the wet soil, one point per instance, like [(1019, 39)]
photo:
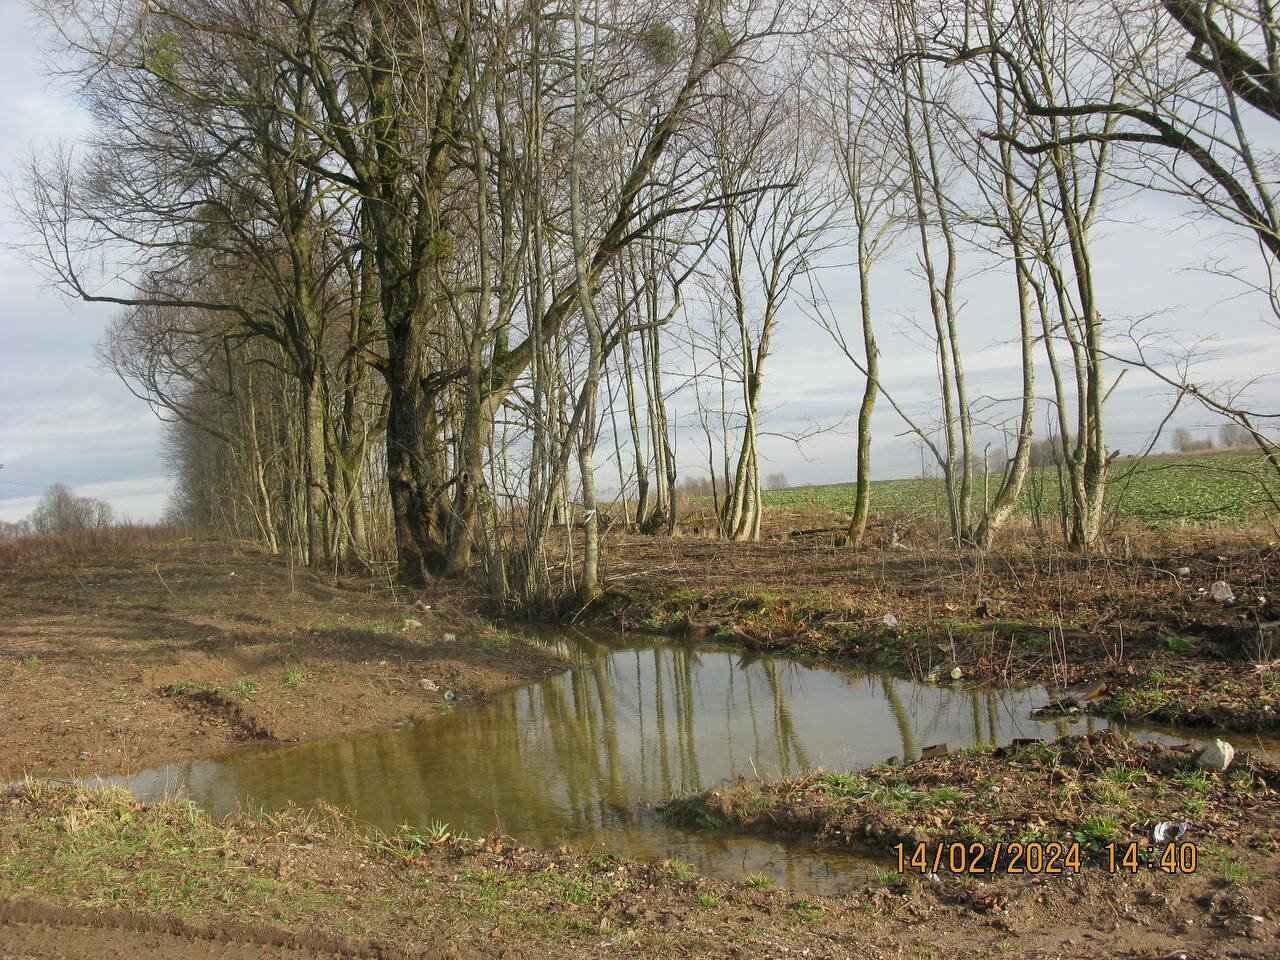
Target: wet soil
[(194, 649), (163, 653), (77, 860), (32, 930), (1096, 790)]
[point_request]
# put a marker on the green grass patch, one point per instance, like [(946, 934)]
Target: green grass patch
[(1160, 492), (103, 848)]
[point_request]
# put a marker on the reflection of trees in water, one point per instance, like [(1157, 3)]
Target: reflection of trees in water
[(576, 752), (906, 733), (787, 742)]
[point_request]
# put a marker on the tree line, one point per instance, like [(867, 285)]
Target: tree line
[(392, 270)]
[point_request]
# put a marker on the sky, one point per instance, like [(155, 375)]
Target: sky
[(64, 419)]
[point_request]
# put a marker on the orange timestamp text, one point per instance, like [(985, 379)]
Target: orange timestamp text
[(1039, 857)]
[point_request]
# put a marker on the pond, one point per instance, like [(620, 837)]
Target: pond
[(581, 758)]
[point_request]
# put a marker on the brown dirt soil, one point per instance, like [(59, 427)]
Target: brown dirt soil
[(1091, 790), (33, 930), (1027, 612), (73, 861), (161, 654)]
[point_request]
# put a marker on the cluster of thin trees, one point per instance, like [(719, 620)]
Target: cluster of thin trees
[(394, 268), (60, 510)]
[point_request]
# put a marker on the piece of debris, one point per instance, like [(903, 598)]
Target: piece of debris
[(934, 675), (450, 637), (890, 621), (1073, 704), (933, 750), (411, 624), (1166, 831), (956, 673), (429, 685), (1221, 591), (1217, 756), (1183, 571), (423, 607), (1066, 707), (449, 695)]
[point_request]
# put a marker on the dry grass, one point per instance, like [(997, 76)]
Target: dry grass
[(80, 546)]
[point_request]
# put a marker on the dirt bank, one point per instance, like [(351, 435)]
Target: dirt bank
[(1091, 791), (314, 884), (1143, 621), (150, 656), (165, 652)]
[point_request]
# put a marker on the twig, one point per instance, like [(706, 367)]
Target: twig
[(163, 584)]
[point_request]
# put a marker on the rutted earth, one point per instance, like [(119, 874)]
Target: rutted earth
[(195, 649), (319, 885)]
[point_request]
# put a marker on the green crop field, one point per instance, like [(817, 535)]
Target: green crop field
[(1162, 491)]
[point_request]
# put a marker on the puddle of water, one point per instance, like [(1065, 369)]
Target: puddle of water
[(579, 757)]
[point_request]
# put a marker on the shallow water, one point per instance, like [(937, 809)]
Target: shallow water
[(580, 758)]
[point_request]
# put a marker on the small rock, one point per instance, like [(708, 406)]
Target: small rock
[(933, 676), (890, 621), (429, 685), (1217, 756), (1184, 571), (420, 606), (1221, 591), (956, 673)]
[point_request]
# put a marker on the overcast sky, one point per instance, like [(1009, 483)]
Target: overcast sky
[(62, 419)]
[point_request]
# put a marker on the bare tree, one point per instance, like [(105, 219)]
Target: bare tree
[(61, 511), (857, 113)]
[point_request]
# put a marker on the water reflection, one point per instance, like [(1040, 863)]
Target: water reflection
[(577, 758)]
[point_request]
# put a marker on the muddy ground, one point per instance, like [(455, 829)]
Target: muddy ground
[(168, 878), (190, 649), (1139, 628), (144, 656), (1096, 793)]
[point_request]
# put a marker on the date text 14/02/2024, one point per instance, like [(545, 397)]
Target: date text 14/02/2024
[(1038, 857)]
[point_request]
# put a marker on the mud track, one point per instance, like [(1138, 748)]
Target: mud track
[(31, 929)]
